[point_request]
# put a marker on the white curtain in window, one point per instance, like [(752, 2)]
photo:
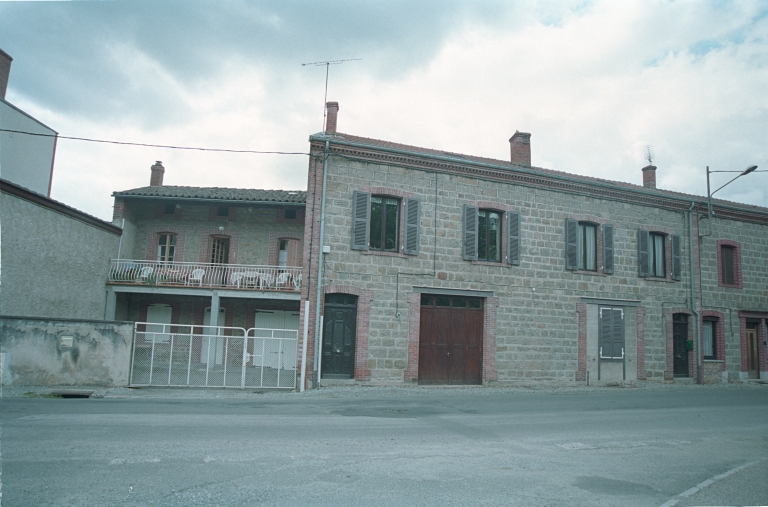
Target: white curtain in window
[(590, 233), (658, 255), (709, 337)]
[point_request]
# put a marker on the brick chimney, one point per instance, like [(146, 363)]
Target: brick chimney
[(649, 176), (520, 148), (157, 175), (5, 71), (332, 114)]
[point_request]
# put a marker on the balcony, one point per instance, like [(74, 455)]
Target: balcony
[(200, 274)]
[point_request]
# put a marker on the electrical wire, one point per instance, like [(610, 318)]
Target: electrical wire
[(124, 143)]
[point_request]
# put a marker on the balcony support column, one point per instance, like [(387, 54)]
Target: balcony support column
[(110, 306), (215, 309)]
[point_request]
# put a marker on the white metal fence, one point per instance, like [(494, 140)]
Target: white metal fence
[(201, 274), (177, 355)]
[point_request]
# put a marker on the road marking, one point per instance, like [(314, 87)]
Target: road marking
[(703, 484)]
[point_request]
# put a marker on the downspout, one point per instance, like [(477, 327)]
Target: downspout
[(693, 294), (120, 243), (316, 376)]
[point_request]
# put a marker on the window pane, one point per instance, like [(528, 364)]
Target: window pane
[(728, 264), (169, 209), (426, 300), (443, 301), (590, 247), (475, 303), (709, 339), (582, 254), (376, 223), (494, 237), (390, 226), (482, 235), (657, 248), (223, 211), (459, 303)]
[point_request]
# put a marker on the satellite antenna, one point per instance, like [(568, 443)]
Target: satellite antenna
[(649, 154), (327, 64)]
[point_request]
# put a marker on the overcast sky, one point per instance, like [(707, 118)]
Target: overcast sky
[(594, 82)]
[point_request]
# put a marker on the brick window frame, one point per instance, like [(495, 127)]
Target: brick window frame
[(213, 213), (206, 239), (275, 236), (153, 237), (599, 223), (490, 304), (504, 209), (160, 210), (402, 195), (280, 219), (667, 233), (737, 278), (719, 335), (762, 332), (362, 326)]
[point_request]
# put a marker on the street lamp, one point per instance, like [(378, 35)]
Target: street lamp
[(742, 173)]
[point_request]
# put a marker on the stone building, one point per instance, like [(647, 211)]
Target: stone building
[(435, 267), (196, 261)]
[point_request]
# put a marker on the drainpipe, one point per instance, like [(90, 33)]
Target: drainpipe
[(120, 243), (316, 376), (693, 294)]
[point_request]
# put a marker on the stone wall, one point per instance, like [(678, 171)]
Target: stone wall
[(37, 352), (537, 329)]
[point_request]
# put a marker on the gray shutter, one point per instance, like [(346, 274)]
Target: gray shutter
[(611, 330), (412, 207), (571, 244), (676, 264), (643, 241), (608, 249), (469, 249), (513, 238), (361, 209)]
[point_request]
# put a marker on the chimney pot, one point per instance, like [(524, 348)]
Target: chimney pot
[(332, 114), (156, 180), (5, 72), (649, 176), (520, 148)]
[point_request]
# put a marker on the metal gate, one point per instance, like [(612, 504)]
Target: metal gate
[(177, 355)]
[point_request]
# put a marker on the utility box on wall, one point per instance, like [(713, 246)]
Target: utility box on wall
[(688, 344)]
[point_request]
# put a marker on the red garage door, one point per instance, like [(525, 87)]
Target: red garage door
[(451, 340)]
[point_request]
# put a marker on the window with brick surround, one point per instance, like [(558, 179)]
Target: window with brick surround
[(729, 264), (378, 222), (166, 247), (659, 255)]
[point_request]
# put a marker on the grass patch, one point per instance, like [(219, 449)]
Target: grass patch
[(32, 394)]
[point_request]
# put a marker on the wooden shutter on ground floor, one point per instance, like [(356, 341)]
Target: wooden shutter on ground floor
[(643, 257), (412, 215), (469, 248), (361, 210), (571, 244), (608, 249), (513, 238), (611, 333), (676, 260)]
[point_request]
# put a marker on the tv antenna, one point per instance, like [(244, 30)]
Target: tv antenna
[(328, 64), (649, 154)]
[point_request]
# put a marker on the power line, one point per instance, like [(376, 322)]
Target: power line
[(124, 143)]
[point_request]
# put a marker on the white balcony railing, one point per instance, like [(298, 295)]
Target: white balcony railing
[(199, 274)]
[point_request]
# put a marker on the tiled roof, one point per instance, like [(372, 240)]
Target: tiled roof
[(377, 143), (218, 194)]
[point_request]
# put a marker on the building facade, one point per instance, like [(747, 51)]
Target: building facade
[(196, 261), (434, 267)]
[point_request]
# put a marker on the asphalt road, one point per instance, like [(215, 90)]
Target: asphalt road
[(390, 447)]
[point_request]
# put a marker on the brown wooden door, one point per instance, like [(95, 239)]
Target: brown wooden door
[(451, 340), (752, 369)]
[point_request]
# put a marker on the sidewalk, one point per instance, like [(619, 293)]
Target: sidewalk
[(352, 391)]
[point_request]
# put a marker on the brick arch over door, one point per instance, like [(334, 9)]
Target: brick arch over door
[(411, 373), (362, 324)]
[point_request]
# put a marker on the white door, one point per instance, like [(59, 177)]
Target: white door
[(212, 348), (269, 324), (158, 314)]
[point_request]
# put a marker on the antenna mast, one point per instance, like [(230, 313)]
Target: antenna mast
[(649, 154), (328, 64)]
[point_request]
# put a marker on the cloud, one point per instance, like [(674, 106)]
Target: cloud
[(594, 82)]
